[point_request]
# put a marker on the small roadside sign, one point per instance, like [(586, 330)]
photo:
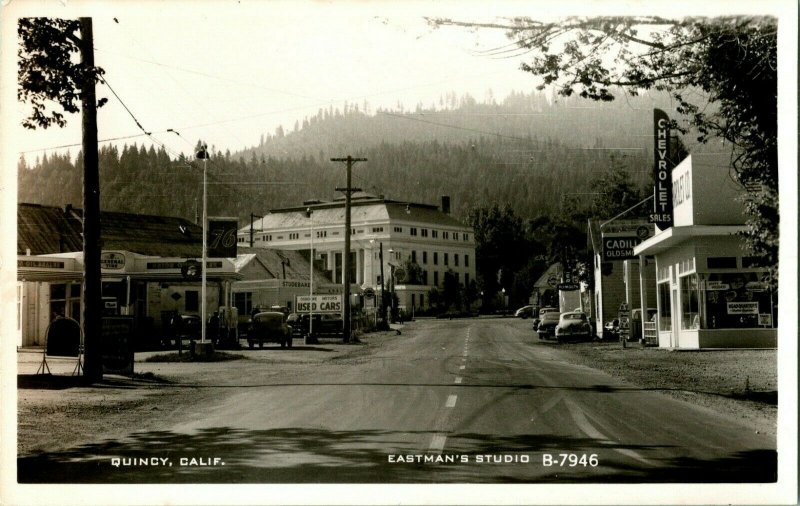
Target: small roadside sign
[(369, 293), (568, 287)]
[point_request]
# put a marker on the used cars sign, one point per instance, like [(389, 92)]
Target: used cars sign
[(319, 303)]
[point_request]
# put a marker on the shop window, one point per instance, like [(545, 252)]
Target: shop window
[(721, 262), (739, 300), (664, 307), (243, 302), (192, 300), (750, 262), (690, 311)]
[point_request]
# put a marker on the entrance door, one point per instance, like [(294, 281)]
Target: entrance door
[(676, 319)]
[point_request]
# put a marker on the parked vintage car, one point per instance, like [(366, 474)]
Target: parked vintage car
[(524, 312), (547, 326), (299, 324), (182, 327), (269, 327), (611, 329), (573, 325), (538, 315)]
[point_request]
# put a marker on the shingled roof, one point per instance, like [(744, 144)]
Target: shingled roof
[(46, 229), (284, 264)]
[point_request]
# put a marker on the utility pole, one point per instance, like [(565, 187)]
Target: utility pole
[(252, 216), (383, 295), (92, 297), (348, 190)]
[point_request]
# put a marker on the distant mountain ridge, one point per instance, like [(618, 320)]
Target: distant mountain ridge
[(535, 154)]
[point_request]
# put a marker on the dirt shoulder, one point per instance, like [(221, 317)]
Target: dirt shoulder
[(742, 383)]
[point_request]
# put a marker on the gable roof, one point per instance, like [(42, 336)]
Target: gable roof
[(47, 229), (282, 264)]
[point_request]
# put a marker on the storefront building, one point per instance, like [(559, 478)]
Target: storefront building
[(148, 288), (709, 293), (617, 270)]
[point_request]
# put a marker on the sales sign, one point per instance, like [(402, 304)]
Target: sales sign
[(117, 344), (742, 307), (319, 303), (662, 172), (222, 237)]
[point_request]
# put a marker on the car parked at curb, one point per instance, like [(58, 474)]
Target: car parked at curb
[(547, 325), (269, 327), (538, 317), (573, 325), (611, 329), (524, 312)]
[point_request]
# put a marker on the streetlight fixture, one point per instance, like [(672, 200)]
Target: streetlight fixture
[(202, 154), (309, 214), (391, 287)]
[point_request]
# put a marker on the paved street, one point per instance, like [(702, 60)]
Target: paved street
[(465, 401)]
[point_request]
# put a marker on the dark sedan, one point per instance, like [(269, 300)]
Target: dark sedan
[(547, 325)]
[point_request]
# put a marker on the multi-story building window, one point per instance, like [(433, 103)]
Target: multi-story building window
[(466, 260), (267, 237), (294, 235), (466, 237), (413, 256), (445, 235), (445, 259), (322, 233), (466, 279), (413, 230), (424, 277), (424, 257), (424, 232), (435, 258), (455, 259), (434, 233), (398, 229), (377, 230), (436, 278)]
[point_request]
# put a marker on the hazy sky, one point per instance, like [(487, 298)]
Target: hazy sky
[(228, 72)]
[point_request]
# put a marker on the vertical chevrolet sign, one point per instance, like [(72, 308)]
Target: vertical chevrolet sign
[(662, 168)]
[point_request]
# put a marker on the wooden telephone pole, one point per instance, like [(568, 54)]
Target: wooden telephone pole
[(348, 190), (92, 322)]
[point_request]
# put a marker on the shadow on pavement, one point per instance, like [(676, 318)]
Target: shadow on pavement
[(361, 456), (62, 382)]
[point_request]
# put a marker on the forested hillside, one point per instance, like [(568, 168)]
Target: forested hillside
[(536, 155)]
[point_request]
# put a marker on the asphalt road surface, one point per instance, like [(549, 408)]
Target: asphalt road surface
[(449, 401)]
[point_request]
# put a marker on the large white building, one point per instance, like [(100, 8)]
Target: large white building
[(424, 234)]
